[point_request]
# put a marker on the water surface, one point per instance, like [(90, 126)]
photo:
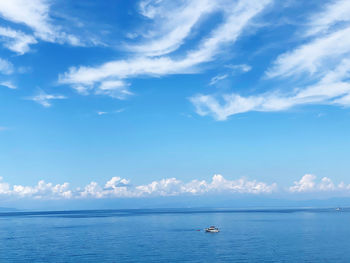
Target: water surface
[(171, 235)]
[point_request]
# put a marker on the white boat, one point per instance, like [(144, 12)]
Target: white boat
[(212, 229)]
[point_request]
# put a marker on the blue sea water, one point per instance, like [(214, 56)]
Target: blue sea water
[(171, 235)]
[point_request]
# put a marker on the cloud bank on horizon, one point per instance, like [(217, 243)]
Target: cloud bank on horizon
[(118, 187)]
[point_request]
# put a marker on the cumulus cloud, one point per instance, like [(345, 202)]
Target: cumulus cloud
[(121, 187), (118, 187), (39, 191), (308, 183), (42, 190), (237, 16)]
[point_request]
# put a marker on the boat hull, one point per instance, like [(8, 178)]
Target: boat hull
[(211, 231)]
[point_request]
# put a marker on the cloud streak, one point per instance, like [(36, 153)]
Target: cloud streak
[(331, 89), (39, 24), (16, 41), (236, 17), (321, 66), (8, 84), (45, 99)]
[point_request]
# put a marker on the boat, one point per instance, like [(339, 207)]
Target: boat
[(212, 229)]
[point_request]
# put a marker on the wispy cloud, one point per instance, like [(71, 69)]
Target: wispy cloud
[(8, 84), (241, 68), (314, 57), (334, 14), (172, 22), (110, 112), (6, 67), (35, 15), (237, 17), (332, 89), (114, 88), (217, 78), (16, 41), (322, 66), (45, 99)]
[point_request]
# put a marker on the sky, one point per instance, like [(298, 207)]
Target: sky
[(156, 98)]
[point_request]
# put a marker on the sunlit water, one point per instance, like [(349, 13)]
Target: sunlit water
[(173, 236)]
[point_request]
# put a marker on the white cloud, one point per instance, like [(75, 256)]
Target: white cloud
[(321, 66), (42, 191), (116, 182), (332, 88), (120, 187), (334, 13), (110, 112), (114, 88), (16, 41), (8, 84), (6, 67), (236, 19), (172, 23), (328, 46), (35, 15), (242, 67), (305, 184), (314, 57), (4, 187), (308, 183), (217, 78), (45, 99), (232, 104)]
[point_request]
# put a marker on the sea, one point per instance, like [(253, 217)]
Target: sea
[(176, 235)]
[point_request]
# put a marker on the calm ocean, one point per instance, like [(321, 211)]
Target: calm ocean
[(171, 235)]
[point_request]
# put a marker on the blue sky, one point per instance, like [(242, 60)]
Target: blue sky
[(109, 99)]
